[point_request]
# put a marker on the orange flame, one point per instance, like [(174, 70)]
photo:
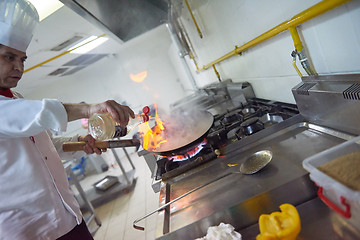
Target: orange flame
[(139, 77), (151, 137), (190, 153)]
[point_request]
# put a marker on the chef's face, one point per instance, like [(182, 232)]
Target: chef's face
[(11, 66)]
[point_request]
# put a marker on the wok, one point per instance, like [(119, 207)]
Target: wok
[(183, 131)]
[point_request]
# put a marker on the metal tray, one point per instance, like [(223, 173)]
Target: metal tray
[(106, 183)]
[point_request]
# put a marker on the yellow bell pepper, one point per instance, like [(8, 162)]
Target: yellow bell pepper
[(284, 225)]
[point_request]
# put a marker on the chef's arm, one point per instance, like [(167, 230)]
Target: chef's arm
[(76, 110), (25, 118), (119, 112)]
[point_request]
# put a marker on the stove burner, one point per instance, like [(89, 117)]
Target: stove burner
[(270, 119), (248, 111), (169, 167), (251, 126), (189, 152), (249, 122), (171, 164), (232, 117)]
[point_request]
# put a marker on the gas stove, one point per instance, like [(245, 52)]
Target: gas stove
[(209, 193), (234, 124), (247, 119)]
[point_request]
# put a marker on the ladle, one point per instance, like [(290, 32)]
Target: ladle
[(256, 162)]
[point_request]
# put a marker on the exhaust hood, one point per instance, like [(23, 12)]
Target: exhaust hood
[(124, 19)]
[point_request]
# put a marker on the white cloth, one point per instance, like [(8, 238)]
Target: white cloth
[(36, 201), (221, 232)]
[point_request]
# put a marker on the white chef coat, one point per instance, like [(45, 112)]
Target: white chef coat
[(36, 201)]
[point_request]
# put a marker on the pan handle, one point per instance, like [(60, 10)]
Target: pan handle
[(78, 146)]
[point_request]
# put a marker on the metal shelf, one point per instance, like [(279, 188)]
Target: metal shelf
[(92, 197)]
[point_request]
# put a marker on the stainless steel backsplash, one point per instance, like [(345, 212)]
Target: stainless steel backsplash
[(332, 101)]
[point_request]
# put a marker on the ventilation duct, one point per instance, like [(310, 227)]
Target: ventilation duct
[(124, 19), (67, 43), (77, 64)]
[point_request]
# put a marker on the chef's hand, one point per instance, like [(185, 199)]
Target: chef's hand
[(90, 148), (119, 112)]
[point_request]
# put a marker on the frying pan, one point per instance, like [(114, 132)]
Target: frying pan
[(183, 131)]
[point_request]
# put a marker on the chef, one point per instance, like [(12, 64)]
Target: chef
[(35, 198)]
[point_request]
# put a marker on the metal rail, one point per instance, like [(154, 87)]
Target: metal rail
[(176, 199)]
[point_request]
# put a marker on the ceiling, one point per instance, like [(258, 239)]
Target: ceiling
[(120, 20), (51, 39)]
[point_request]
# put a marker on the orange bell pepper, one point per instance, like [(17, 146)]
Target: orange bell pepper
[(284, 225)]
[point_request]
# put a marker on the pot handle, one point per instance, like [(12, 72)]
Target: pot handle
[(345, 213)]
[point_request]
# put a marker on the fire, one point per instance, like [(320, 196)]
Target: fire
[(190, 153), (151, 137)]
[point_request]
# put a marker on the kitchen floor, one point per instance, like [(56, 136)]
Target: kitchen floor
[(117, 215)]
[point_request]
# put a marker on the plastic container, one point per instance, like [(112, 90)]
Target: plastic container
[(340, 198)]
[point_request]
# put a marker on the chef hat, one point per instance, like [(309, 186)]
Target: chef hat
[(18, 19)]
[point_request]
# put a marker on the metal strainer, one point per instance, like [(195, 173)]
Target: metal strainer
[(256, 162)]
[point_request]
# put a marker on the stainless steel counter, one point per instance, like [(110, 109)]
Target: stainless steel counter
[(240, 199), (216, 192)]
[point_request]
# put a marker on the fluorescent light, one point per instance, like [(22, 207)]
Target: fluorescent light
[(88, 44), (46, 7)]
